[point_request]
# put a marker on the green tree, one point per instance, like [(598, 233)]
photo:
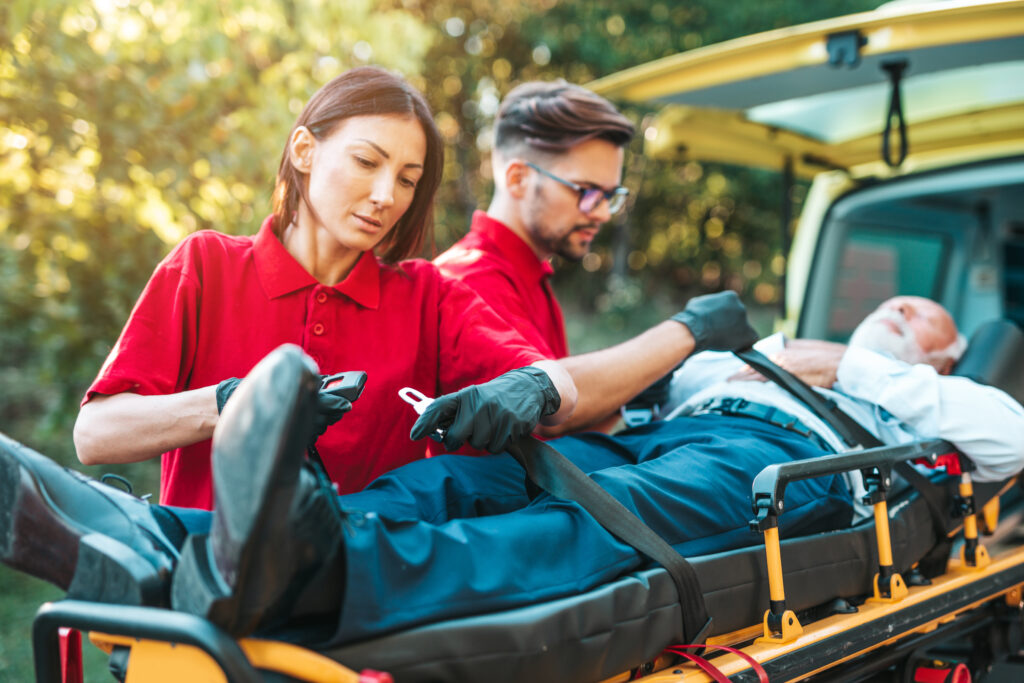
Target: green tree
[(125, 126)]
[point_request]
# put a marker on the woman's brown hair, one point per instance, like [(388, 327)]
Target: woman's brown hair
[(368, 91)]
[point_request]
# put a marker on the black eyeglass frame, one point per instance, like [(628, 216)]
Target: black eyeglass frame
[(592, 196)]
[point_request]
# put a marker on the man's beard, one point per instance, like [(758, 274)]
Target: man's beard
[(569, 251), (875, 335), (543, 235)]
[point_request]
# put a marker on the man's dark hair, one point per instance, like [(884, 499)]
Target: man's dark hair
[(552, 117)]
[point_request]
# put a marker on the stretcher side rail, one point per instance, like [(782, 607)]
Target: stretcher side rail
[(769, 487), (138, 622), (876, 465)]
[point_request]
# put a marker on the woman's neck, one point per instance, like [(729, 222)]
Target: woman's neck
[(318, 252)]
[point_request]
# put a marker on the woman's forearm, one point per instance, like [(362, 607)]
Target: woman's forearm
[(127, 427)]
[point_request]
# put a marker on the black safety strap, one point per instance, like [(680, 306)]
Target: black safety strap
[(849, 430), (554, 473)]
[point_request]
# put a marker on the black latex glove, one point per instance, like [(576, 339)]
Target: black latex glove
[(718, 322), (328, 408), (224, 391), (490, 416)]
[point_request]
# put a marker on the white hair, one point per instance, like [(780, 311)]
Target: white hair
[(903, 344), (950, 354)]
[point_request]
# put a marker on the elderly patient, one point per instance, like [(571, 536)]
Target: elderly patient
[(453, 535)]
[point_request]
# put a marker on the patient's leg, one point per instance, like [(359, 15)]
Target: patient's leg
[(449, 487), (445, 487), (696, 495)]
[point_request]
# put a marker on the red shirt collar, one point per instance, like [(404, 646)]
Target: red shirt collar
[(281, 274), (511, 245)]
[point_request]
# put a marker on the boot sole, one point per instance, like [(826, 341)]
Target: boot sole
[(34, 536), (258, 450), (37, 538)]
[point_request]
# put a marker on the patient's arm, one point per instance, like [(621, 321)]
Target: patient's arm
[(813, 361), (985, 423)]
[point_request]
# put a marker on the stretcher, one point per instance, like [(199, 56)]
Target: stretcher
[(929, 588)]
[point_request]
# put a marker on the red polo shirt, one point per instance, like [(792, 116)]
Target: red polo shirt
[(218, 304), (503, 269)]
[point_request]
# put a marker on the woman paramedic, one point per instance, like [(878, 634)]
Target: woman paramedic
[(325, 271)]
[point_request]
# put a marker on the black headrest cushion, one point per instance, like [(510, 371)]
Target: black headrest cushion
[(995, 356)]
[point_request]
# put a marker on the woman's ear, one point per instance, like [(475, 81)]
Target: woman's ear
[(300, 149)]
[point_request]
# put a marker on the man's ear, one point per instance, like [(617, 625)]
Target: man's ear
[(946, 366), (516, 175), (300, 149)]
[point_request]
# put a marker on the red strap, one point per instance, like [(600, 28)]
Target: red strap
[(708, 668), (762, 675), (70, 642), (951, 461)]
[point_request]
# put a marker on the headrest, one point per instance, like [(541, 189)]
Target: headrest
[(995, 356)]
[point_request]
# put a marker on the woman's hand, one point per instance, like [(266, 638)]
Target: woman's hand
[(490, 416)]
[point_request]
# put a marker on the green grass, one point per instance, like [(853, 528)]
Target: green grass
[(20, 597)]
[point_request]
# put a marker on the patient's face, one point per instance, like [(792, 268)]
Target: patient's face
[(907, 327)]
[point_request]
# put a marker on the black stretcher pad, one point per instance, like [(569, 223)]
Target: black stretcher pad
[(618, 626)]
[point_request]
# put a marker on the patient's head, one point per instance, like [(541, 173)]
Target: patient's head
[(912, 329)]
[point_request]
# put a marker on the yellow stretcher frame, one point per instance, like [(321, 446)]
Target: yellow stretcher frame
[(169, 646)]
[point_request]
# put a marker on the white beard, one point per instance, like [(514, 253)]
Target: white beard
[(875, 335)]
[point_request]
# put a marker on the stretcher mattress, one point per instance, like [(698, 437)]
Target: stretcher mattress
[(618, 626)]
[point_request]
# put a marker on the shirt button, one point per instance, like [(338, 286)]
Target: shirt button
[(318, 329), (321, 297)]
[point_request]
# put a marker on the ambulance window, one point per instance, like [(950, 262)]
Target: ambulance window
[(878, 264)]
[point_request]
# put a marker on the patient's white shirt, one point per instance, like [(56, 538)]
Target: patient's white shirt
[(896, 401)]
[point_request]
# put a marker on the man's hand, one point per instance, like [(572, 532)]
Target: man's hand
[(490, 416), (815, 362), (718, 322)]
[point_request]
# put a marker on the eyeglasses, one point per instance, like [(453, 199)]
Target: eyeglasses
[(590, 197)]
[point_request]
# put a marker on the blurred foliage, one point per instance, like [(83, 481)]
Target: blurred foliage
[(691, 228), (126, 124)]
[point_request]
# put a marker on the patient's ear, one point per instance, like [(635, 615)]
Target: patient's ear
[(946, 366)]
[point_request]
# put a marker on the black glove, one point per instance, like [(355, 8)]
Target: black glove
[(224, 391), (718, 322), (490, 416), (327, 408)]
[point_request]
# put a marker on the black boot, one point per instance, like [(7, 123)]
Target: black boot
[(94, 541), (307, 611), (238, 574)]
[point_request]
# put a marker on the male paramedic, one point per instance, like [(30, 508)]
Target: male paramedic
[(557, 167), (453, 536)]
